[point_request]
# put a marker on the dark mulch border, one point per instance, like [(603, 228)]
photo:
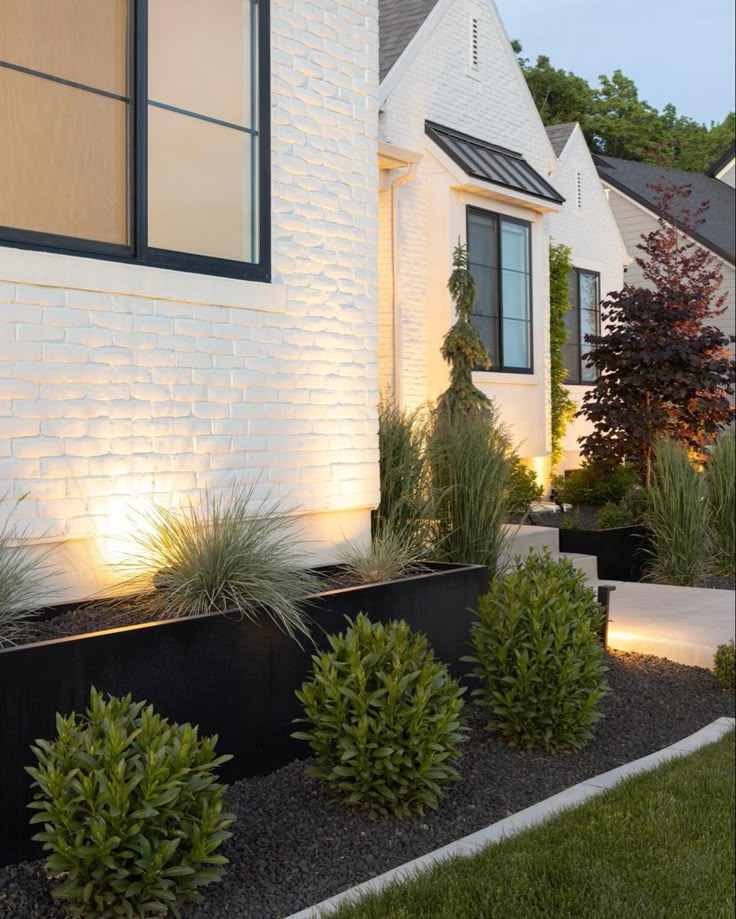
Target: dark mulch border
[(294, 847)]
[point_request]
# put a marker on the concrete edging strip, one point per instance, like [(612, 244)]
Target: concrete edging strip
[(525, 819)]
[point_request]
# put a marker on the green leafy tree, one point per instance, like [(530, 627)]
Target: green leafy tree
[(620, 123), (559, 95), (563, 407)]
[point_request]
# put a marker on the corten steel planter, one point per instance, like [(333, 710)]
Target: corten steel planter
[(231, 676), (621, 551)]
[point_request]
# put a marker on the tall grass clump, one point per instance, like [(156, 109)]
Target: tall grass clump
[(469, 456), (406, 509), (26, 578), (677, 518), (236, 552), (720, 494)]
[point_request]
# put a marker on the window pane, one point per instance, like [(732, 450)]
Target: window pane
[(487, 328), (80, 40), (200, 57), (589, 291), (571, 358), (199, 186), (514, 246), (483, 239), (62, 159), (486, 291), (588, 325), (515, 343), (515, 293), (589, 372)]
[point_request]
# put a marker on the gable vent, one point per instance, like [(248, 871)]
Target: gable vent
[(579, 189), (474, 45)]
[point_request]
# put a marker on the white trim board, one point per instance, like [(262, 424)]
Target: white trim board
[(524, 820)]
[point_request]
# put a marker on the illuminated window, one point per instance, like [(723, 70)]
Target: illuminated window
[(137, 130)]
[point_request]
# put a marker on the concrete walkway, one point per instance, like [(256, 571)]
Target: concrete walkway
[(684, 624)]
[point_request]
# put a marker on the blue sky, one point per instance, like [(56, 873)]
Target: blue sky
[(679, 51)]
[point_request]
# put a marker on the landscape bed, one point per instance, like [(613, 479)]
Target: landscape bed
[(231, 676), (294, 846)]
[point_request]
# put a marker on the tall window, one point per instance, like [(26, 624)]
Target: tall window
[(137, 130), (583, 318), (500, 262)]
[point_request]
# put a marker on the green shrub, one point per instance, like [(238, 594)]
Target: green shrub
[(539, 656), (612, 515), (572, 521), (237, 552), (724, 665), (26, 577), (469, 456), (595, 485), (720, 493), (636, 504), (131, 811), (677, 518), (523, 487), (383, 719)]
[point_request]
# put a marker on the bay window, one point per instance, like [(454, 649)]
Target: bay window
[(137, 130)]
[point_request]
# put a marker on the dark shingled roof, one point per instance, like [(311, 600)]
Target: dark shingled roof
[(398, 22), (559, 134), (722, 160), (633, 179), (491, 163)]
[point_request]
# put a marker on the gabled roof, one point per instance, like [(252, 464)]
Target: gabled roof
[(722, 161), (634, 180), (559, 134), (398, 22), (486, 161)]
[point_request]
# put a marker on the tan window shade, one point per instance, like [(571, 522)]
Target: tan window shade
[(80, 40), (198, 186), (62, 159)]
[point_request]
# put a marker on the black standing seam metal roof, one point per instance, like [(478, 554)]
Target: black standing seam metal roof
[(487, 161)]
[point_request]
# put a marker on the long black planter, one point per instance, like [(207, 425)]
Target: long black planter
[(232, 677), (621, 551)]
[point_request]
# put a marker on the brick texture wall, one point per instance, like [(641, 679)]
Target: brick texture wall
[(105, 397)]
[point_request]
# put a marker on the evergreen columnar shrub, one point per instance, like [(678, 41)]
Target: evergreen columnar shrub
[(539, 655), (724, 665), (26, 577), (237, 552), (677, 518), (383, 719), (720, 494), (131, 810)]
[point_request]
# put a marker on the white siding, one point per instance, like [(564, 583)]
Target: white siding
[(134, 387)]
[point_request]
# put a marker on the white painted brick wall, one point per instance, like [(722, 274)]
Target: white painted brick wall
[(105, 396)]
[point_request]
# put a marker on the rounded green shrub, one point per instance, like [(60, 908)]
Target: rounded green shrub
[(595, 484), (131, 810), (613, 515), (724, 665), (539, 656), (383, 719)]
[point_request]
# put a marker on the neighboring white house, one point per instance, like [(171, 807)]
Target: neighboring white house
[(464, 156), (188, 270), (633, 202), (598, 254)]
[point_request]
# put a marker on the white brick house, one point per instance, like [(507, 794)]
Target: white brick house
[(464, 155), (217, 320)]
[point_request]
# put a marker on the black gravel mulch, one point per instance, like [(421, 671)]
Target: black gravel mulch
[(294, 847)]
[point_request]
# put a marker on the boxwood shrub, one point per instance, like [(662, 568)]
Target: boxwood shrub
[(539, 656), (131, 810), (383, 719)]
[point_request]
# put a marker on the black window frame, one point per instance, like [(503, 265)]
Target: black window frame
[(139, 252), (583, 347), (501, 367)]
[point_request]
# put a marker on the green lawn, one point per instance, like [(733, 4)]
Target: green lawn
[(660, 845)]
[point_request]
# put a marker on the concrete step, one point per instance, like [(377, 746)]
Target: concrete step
[(524, 538), (588, 564)]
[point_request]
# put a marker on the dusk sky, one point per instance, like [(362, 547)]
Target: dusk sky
[(676, 51)]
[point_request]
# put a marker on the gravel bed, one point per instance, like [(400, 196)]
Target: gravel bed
[(294, 846), (584, 518)]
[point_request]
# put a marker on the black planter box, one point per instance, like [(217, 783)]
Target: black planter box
[(232, 677), (620, 551)]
